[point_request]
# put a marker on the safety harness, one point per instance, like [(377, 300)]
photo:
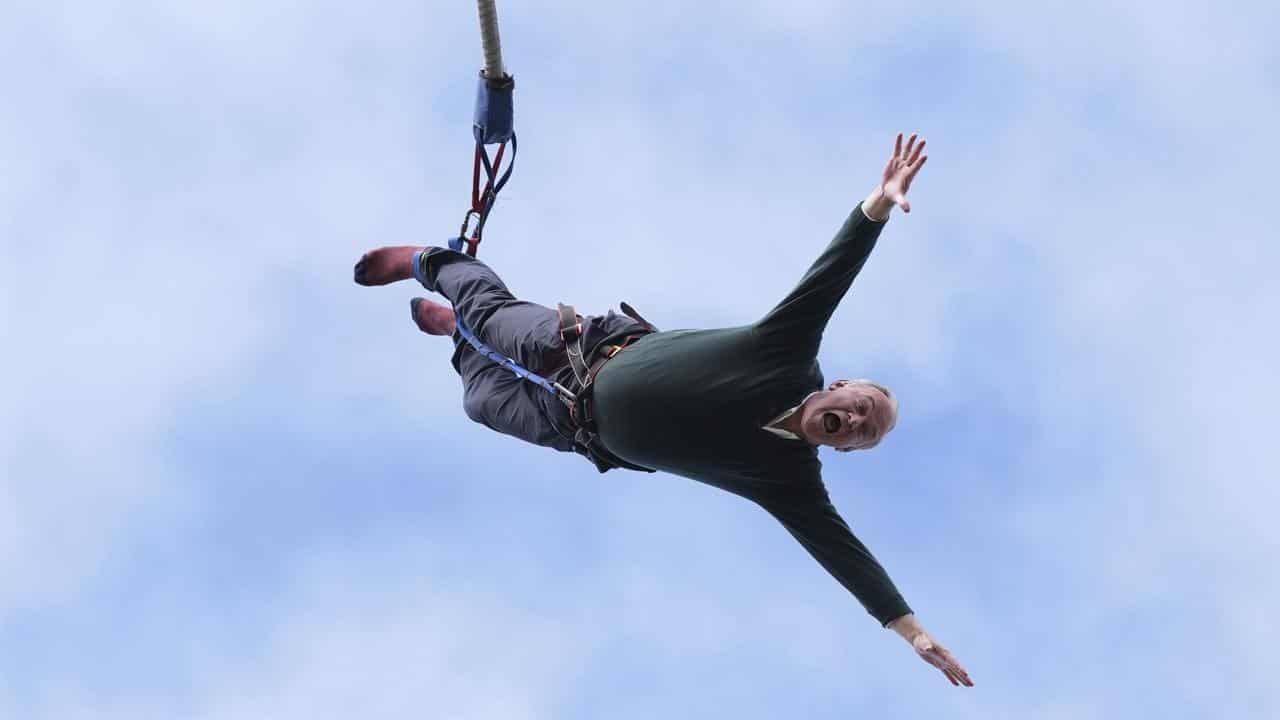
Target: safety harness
[(579, 400), (582, 406)]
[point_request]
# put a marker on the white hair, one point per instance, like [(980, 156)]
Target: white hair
[(893, 400)]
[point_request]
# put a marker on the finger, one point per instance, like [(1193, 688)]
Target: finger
[(953, 666), (910, 142), (905, 205), (951, 677), (915, 154), (897, 146), (915, 168)]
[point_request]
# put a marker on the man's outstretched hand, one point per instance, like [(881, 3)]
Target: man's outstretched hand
[(901, 169), (930, 651), (936, 655)]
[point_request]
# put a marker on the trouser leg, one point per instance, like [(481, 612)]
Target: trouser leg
[(498, 399), (526, 332)]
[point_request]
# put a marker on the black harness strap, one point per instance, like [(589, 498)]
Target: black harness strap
[(571, 334), (583, 414), (631, 313)]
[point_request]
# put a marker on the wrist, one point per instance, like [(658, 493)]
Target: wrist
[(907, 627), (877, 207)]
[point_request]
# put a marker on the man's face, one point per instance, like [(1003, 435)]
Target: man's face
[(848, 416)]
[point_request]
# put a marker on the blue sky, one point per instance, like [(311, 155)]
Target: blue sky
[(238, 486)]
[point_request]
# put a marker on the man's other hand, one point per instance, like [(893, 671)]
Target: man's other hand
[(901, 169)]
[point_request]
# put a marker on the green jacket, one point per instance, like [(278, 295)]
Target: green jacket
[(694, 402)]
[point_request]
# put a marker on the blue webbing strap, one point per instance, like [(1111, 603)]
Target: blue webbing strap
[(494, 123), (497, 183), (556, 389), (493, 185)]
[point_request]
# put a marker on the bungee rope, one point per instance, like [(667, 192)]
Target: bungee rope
[(489, 39)]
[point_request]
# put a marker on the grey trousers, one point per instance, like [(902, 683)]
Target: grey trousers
[(523, 331)]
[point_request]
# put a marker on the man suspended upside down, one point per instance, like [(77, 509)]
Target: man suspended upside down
[(743, 409)]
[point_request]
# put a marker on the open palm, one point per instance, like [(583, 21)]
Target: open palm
[(901, 170), (936, 655)]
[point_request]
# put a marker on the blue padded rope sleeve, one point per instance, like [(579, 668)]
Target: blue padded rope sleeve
[(495, 114)]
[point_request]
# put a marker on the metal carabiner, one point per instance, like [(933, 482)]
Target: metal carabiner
[(466, 222)]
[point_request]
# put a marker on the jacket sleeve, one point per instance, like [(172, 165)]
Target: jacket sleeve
[(799, 320), (806, 512)]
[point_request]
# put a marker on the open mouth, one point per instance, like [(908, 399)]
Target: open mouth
[(830, 422)]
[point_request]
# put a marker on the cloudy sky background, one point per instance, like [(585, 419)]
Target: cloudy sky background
[(236, 485)]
